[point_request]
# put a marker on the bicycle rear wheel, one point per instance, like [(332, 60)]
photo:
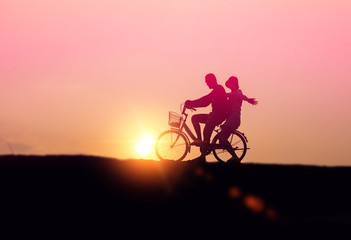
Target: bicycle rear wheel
[(238, 144), (171, 145)]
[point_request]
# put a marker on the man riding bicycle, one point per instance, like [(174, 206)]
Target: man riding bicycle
[(218, 99)]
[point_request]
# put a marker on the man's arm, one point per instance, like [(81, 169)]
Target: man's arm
[(200, 102)]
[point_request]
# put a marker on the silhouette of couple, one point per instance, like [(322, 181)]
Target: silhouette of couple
[(226, 107)]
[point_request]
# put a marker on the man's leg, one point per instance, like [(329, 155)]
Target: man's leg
[(212, 122), (196, 120)]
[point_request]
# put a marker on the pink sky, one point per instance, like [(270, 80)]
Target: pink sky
[(92, 77)]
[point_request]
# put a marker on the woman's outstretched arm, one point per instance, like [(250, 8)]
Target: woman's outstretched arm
[(252, 101)]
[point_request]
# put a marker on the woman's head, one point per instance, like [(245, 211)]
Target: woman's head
[(232, 83)]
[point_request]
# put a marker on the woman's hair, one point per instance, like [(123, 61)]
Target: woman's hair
[(232, 83)]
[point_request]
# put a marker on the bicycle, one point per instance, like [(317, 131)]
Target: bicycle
[(174, 144)]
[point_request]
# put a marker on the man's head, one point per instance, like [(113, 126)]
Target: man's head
[(232, 83), (211, 80)]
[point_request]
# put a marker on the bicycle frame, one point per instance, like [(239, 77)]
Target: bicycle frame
[(180, 135), (192, 136), (185, 126), (187, 129)]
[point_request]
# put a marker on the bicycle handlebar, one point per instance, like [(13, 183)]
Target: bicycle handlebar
[(191, 108), (187, 107)]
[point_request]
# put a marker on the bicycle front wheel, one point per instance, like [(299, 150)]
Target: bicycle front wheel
[(171, 145), (238, 144)]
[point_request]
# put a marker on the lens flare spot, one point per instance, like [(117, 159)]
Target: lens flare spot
[(271, 214), (255, 204), (234, 192), (199, 171)]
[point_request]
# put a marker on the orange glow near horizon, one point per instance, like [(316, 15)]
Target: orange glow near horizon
[(90, 77), (145, 146)]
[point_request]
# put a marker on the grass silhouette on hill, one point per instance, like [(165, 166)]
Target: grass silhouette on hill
[(174, 197)]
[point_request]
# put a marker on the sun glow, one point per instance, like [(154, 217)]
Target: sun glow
[(145, 146)]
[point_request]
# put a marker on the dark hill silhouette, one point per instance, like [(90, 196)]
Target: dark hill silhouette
[(169, 199)]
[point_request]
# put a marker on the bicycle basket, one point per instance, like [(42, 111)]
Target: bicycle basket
[(174, 119)]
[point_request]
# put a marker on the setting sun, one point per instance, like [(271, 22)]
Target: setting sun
[(144, 146)]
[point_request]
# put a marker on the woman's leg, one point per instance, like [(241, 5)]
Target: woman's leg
[(223, 140)]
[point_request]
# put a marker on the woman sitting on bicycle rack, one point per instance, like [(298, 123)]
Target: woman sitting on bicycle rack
[(217, 97), (235, 99)]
